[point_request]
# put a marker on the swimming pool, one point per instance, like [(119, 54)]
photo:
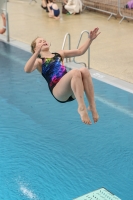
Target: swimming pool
[(46, 153)]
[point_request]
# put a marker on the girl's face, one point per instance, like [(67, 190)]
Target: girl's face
[(41, 41)]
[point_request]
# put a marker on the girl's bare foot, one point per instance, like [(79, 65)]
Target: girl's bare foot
[(84, 115), (94, 113)]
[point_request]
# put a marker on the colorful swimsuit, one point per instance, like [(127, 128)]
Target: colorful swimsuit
[(53, 71)]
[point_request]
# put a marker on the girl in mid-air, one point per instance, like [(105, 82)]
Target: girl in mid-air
[(65, 86)]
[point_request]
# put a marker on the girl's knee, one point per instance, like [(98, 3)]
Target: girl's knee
[(84, 71), (76, 73)]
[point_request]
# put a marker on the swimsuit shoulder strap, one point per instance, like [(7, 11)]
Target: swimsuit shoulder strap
[(43, 60), (58, 55)]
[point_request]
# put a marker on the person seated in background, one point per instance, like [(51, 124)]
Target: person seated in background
[(54, 10), (129, 5), (64, 11), (65, 2), (3, 29), (44, 5), (74, 6)]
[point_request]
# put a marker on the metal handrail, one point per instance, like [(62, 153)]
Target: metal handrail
[(69, 43), (118, 10), (7, 28), (85, 31), (7, 22), (98, 9), (123, 16)]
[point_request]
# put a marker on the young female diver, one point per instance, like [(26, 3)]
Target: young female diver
[(65, 86)]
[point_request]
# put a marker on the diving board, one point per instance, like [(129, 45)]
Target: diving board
[(100, 194)]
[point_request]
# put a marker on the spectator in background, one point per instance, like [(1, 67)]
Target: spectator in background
[(74, 6), (129, 4), (54, 10), (3, 29), (65, 1), (44, 5), (64, 11)]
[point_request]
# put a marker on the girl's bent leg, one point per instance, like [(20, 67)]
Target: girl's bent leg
[(71, 84), (89, 91)]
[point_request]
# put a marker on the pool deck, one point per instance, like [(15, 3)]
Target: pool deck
[(111, 57)]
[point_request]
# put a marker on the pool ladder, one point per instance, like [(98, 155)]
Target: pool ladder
[(69, 46)]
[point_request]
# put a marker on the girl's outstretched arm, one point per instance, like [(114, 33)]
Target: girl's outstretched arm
[(81, 50)]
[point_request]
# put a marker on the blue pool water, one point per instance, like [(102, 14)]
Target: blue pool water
[(46, 153)]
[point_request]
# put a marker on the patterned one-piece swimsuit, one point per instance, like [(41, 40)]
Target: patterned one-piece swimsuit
[(53, 71)]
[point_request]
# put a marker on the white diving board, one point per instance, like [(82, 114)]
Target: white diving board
[(100, 194)]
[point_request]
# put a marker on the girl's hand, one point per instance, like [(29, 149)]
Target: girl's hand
[(39, 46), (94, 33)]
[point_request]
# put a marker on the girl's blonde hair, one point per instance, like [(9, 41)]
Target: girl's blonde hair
[(33, 45)]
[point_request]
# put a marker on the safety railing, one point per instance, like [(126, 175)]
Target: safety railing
[(106, 6), (88, 50), (3, 9), (69, 46), (124, 12), (113, 7)]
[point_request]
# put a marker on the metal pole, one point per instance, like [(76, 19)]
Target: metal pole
[(7, 22), (69, 43), (7, 28)]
